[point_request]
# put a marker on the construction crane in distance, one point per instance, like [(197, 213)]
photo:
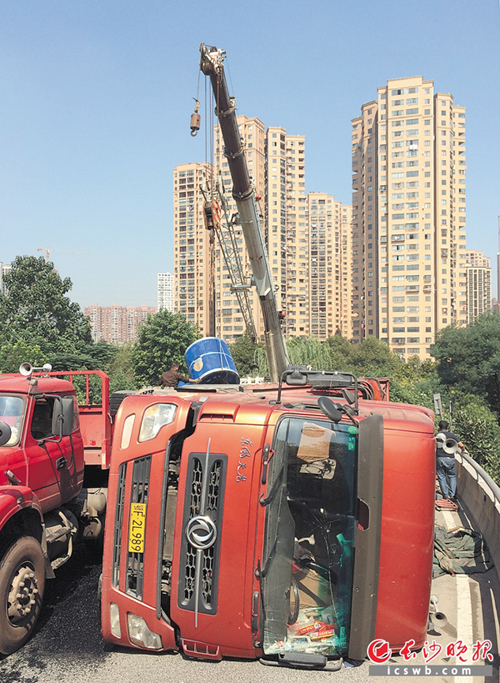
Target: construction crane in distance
[(59, 251)]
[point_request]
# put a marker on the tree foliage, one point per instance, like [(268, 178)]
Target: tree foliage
[(479, 431), (374, 358), (39, 324), (120, 369), (163, 339), (371, 358), (469, 358), (37, 311), (246, 355), (13, 354)]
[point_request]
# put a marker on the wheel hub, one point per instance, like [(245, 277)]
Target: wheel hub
[(23, 594)]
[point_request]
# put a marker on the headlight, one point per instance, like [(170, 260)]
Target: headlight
[(139, 633), (154, 418), (114, 618)]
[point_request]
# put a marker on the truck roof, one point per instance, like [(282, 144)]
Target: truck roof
[(254, 405), (18, 384)]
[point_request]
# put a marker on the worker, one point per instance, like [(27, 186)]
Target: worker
[(172, 377), (446, 469)]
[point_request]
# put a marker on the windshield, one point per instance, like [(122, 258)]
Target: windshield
[(12, 413), (308, 547)]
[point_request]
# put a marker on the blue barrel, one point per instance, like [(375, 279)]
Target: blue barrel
[(210, 360)]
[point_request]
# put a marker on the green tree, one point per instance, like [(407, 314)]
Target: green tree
[(245, 355), (340, 345), (415, 382), (163, 339), (309, 351), (469, 358), (416, 370), (37, 311), (12, 355), (479, 431), (121, 370), (374, 358)]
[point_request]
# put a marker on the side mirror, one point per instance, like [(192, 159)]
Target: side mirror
[(5, 433), (329, 409), (63, 416)]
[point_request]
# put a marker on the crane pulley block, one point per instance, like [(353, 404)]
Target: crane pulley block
[(195, 119), (209, 217)]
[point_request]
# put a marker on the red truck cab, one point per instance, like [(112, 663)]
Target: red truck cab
[(44, 449), (255, 524), (50, 465)]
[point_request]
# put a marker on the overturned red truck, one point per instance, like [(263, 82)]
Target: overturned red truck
[(292, 523)]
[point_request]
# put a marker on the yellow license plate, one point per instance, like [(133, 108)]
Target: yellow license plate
[(137, 528)]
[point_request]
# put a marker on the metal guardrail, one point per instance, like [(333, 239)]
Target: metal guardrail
[(480, 496), (482, 475)]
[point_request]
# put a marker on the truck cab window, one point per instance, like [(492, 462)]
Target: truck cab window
[(41, 424), (12, 413), (308, 552)]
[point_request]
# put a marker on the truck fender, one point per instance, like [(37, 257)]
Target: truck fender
[(14, 500)]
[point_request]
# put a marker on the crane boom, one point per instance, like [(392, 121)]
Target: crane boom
[(211, 64), (218, 220), (59, 251)]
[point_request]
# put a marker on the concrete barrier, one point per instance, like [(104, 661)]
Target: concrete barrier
[(481, 499)]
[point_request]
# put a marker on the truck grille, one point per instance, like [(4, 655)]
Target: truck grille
[(139, 494), (120, 497), (196, 485), (202, 522)]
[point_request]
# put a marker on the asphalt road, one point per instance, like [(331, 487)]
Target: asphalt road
[(67, 645)]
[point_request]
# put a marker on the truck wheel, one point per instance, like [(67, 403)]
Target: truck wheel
[(116, 399), (22, 582)]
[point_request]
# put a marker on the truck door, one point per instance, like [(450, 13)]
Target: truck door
[(142, 501), (54, 463)]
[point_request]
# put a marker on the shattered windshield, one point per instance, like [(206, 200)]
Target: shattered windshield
[(12, 413), (308, 549)]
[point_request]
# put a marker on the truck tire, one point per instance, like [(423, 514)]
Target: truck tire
[(116, 399), (22, 583)]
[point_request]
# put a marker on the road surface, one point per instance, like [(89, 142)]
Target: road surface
[(67, 646)]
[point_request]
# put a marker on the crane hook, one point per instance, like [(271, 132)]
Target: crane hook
[(195, 119)]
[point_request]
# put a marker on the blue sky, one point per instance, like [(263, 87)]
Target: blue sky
[(96, 97)]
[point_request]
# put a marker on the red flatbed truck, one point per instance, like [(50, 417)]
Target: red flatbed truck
[(261, 524), (46, 443)]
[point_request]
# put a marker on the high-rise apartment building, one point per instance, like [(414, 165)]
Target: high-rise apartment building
[(287, 227), (165, 292), (328, 286), (193, 271), (307, 238), (408, 163), (117, 324), (477, 259), (478, 284)]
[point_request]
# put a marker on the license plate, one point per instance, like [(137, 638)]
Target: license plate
[(137, 528)]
